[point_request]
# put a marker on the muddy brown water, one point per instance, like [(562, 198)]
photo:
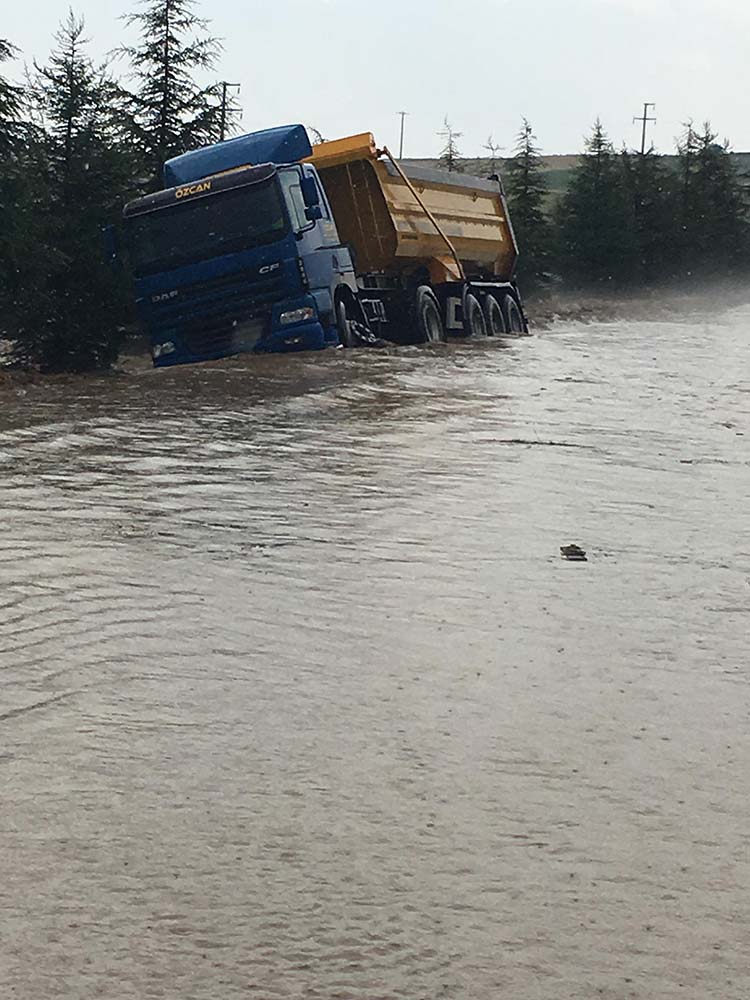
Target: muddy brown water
[(299, 700)]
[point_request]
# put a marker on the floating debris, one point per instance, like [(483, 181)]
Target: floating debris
[(573, 553)]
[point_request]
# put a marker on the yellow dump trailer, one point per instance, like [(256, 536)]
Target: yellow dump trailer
[(398, 219), (422, 238)]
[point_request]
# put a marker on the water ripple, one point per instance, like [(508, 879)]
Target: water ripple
[(298, 698)]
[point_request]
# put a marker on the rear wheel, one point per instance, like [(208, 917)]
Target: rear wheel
[(513, 319), (474, 321), (430, 326), (494, 317)]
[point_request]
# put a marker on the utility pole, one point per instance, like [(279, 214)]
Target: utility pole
[(401, 146), (224, 106), (493, 149), (645, 119)]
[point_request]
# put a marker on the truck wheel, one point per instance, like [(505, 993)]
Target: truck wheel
[(343, 325), (474, 321), (430, 326), (513, 318), (494, 317)]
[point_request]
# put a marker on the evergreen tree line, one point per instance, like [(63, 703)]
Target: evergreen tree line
[(77, 141), (631, 219)]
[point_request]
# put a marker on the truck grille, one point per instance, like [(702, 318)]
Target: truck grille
[(221, 316)]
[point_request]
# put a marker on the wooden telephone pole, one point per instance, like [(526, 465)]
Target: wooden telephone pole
[(645, 119)]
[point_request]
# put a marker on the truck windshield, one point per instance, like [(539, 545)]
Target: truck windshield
[(206, 227)]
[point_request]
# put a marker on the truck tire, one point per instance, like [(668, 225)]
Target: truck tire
[(343, 325), (475, 324), (494, 317), (513, 319), (429, 319)]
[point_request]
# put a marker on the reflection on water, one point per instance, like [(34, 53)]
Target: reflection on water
[(298, 698)]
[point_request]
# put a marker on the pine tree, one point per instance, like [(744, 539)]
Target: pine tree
[(595, 219), (687, 149), (450, 157), (11, 102), (68, 302), (653, 194), (16, 245), (527, 193), (714, 216), (79, 106), (170, 111)]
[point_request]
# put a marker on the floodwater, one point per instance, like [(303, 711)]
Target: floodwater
[(298, 698)]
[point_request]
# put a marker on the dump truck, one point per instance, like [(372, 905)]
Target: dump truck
[(267, 243)]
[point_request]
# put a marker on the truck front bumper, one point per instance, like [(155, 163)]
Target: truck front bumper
[(293, 325), (308, 336)]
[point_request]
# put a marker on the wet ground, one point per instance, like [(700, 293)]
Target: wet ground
[(299, 700)]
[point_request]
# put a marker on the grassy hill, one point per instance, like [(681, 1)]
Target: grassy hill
[(559, 169)]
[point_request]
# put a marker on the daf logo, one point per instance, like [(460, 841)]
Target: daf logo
[(165, 296), (269, 268)]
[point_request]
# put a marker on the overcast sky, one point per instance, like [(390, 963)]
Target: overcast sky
[(349, 66)]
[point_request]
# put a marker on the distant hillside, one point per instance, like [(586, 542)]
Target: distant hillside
[(559, 168)]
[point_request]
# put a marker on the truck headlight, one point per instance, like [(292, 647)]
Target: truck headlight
[(160, 349), (297, 316)]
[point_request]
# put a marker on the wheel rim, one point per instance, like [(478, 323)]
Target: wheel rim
[(429, 319), (495, 320), (477, 324), (432, 324), (515, 323)]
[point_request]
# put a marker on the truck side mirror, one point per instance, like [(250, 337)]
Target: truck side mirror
[(311, 198), (310, 194)]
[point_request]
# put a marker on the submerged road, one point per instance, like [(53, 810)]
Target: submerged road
[(299, 700)]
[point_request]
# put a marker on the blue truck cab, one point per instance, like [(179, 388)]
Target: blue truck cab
[(239, 252)]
